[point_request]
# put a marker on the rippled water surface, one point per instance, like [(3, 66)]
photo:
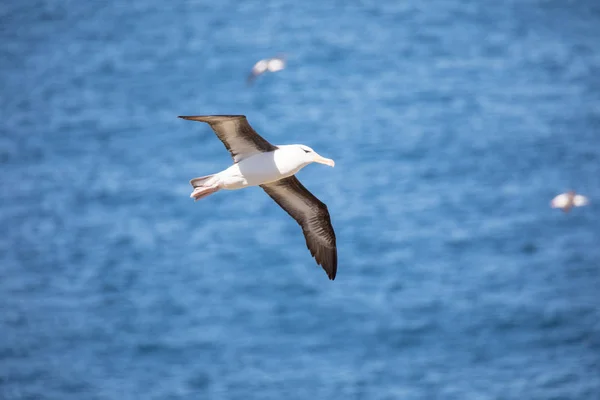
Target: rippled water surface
[(452, 124)]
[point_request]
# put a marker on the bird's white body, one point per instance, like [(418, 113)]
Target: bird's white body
[(263, 168), (258, 169)]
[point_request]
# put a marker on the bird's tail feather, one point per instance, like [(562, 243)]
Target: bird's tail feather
[(200, 181), (202, 192), (204, 186)]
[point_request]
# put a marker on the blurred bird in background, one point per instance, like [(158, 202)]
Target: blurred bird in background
[(568, 200), (273, 64)]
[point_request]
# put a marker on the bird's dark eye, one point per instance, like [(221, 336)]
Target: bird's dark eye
[(306, 151)]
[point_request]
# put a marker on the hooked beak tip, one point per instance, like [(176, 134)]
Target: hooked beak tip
[(326, 161)]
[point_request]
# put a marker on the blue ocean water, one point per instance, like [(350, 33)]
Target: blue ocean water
[(452, 124)]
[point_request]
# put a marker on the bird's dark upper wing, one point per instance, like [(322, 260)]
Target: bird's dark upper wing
[(313, 217), (236, 134)]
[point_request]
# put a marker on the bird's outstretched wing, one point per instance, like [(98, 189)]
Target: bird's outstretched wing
[(258, 69), (560, 201), (236, 134), (580, 200), (312, 215)]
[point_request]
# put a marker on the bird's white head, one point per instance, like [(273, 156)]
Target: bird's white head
[(308, 155)]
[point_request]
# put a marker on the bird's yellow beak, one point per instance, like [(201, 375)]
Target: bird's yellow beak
[(323, 160)]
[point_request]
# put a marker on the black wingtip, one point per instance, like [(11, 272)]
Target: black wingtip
[(211, 118), (331, 272), (334, 266)]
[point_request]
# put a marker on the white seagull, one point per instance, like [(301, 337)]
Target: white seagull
[(568, 200), (269, 64), (256, 162)]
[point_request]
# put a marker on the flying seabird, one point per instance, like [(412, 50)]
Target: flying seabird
[(568, 200), (273, 64), (256, 162)]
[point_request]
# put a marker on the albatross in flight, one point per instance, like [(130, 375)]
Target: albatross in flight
[(566, 201), (273, 64), (256, 162)]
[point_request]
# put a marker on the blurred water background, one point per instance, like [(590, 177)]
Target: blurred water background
[(452, 124)]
